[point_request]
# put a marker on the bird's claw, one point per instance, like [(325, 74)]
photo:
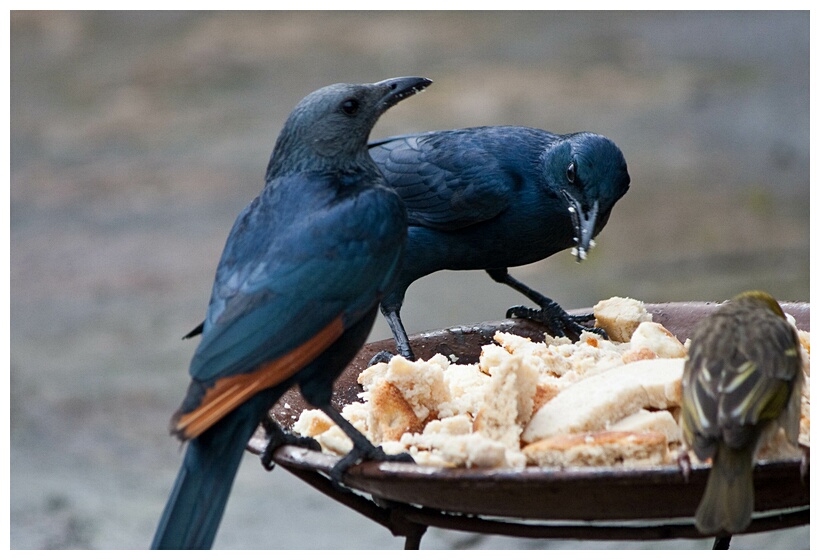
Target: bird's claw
[(557, 321), (582, 318), (382, 357), (356, 455), (277, 437)]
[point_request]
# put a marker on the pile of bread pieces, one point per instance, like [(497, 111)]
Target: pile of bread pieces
[(557, 403)]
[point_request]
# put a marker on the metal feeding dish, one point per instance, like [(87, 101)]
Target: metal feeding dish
[(604, 503)]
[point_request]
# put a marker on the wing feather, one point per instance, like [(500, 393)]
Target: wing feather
[(447, 180), (287, 286)]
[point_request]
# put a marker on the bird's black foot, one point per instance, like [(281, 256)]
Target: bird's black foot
[(277, 437), (382, 357), (557, 321), (363, 449), (363, 453)]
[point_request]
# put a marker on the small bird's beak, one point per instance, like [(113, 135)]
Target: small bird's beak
[(584, 226), (401, 88)]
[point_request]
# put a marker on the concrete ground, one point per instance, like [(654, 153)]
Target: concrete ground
[(136, 138)]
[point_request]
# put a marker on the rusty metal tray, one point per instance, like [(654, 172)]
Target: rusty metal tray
[(583, 502)]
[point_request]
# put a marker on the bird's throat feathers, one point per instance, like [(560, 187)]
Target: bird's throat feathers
[(346, 171)]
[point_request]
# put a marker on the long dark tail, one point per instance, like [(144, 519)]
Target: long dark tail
[(728, 500), (197, 501)]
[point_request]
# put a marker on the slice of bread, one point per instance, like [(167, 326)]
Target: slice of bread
[(596, 449), (661, 421), (594, 402)]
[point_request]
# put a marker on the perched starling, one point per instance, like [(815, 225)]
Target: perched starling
[(295, 294)]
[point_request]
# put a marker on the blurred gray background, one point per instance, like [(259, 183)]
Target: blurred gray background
[(137, 137)]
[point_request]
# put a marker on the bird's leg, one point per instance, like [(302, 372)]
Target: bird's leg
[(722, 542), (551, 314), (362, 448), (399, 335), (381, 357), (277, 437)]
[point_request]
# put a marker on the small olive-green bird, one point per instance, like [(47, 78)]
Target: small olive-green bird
[(741, 381)]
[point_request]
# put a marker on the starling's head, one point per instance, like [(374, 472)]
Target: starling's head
[(760, 299), (590, 174), (332, 124)]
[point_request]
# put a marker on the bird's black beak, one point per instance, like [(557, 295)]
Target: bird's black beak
[(401, 88), (584, 225)]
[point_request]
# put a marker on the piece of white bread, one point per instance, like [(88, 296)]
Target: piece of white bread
[(508, 398), (661, 421), (605, 398), (451, 442), (391, 415), (805, 413), (420, 383), (316, 424), (657, 340), (805, 398), (619, 317), (595, 449)]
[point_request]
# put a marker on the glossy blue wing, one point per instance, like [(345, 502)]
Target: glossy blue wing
[(447, 180), (285, 274)]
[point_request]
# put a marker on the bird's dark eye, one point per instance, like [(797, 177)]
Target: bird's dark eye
[(571, 172), (350, 107)]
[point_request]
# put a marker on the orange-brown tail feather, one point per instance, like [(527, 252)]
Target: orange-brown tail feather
[(229, 392)]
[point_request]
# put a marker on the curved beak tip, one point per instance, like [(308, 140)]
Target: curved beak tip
[(401, 88)]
